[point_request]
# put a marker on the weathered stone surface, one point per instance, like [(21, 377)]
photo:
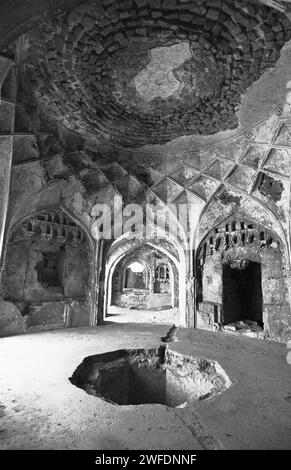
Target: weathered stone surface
[(226, 256), (155, 376), (11, 320), (197, 95), (6, 145), (157, 79), (271, 187)]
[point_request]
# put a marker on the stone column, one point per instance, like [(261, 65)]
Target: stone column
[(6, 148), (5, 65), (12, 321), (100, 295), (190, 302), (189, 291), (152, 271)]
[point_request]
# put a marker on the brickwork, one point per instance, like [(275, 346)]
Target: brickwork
[(93, 54)]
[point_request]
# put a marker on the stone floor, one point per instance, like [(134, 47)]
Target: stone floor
[(160, 317), (41, 409)]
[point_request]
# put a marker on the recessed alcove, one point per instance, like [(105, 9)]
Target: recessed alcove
[(242, 292)]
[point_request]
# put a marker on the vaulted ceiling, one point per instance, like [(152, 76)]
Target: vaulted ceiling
[(135, 72)]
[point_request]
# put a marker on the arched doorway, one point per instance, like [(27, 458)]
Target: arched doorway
[(143, 281), (237, 262), (242, 298)]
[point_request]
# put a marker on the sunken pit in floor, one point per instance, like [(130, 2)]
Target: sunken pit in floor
[(135, 377)]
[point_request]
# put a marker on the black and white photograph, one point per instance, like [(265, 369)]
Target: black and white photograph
[(145, 231)]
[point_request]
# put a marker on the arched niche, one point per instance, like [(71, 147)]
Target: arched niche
[(241, 278), (48, 270), (163, 278)]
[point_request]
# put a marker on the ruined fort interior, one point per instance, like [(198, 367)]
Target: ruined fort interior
[(180, 111)]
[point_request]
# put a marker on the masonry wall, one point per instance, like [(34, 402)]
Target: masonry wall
[(275, 300), (47, 279), (276, 307), (141, 300)]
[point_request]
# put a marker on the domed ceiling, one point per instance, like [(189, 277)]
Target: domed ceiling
[(135, 72)]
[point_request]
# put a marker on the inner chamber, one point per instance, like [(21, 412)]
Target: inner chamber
[(242, 293)]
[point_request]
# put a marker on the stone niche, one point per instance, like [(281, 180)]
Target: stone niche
[(242, 284), (48, 271), (145, 280)]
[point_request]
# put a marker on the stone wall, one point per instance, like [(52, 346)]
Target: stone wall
[(276, 307), (48, 272), (54, 315), (212, 279), (222, 297), (11, 320), (208, 316), (141, 300)]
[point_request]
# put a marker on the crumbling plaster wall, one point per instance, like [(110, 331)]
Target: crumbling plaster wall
[(212, 280), (275, 297), (276, 306), (20, 278), (66, 300)]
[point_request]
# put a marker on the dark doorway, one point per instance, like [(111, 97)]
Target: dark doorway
[(48, 271), (242, 293)]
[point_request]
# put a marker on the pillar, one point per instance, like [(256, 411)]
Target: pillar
[(7, 109)]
